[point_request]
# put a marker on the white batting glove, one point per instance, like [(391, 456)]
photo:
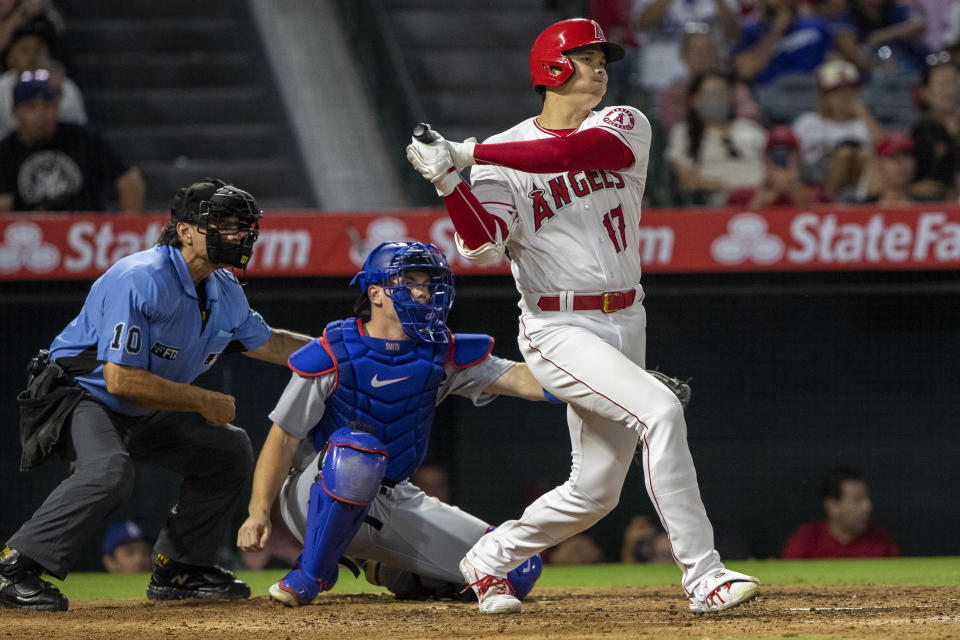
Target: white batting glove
[(461, 152), (434, 163)]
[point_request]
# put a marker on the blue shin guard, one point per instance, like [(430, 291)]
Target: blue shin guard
[(353, 467), (525, 576)]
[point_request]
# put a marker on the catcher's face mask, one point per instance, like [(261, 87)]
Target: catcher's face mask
[(422, 300)]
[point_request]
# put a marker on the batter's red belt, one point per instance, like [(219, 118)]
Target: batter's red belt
[(607, 302)]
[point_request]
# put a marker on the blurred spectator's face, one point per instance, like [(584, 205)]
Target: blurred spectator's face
[(897, 170), (851, 512), (781, 161), (943, 89), (36, 119), (700, 54), (840, 102), (712, 100), (129, 558), (27, 53)]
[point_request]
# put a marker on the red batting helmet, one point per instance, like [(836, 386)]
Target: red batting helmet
[(550, 46)]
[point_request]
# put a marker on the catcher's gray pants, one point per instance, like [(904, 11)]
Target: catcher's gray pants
[(100, 447), (419, 534)]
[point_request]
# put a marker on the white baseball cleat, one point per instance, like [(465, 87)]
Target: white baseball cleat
[(723, 590), (494, 593)]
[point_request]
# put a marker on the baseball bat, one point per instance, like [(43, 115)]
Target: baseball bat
[(424, 133)]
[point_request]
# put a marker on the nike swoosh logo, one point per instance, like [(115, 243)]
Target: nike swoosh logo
[(376, 382)]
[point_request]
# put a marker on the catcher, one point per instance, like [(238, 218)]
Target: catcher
[(354, 423)]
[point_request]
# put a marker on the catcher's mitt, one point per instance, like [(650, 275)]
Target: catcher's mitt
[(680, 388)]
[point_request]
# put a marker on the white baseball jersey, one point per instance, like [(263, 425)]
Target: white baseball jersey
[(578, 233), (574, 231)]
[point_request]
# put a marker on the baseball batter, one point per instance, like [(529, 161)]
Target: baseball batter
[(561, 194), (363, 395)]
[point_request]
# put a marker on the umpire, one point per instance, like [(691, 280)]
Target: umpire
[(116, 389)]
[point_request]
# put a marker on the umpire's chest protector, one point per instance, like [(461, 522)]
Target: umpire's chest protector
[(387, 384)]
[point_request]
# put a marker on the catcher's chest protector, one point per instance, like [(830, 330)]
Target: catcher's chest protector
[(387, 384)]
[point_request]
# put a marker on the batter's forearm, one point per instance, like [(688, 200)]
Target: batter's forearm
[(271, 470), (475, 225)]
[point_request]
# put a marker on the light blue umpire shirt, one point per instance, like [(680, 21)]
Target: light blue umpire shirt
[(144, 312)]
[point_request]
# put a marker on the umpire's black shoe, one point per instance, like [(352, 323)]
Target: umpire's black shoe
[(21, 586), (172, 580)]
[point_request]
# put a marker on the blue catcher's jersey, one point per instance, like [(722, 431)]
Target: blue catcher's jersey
[(390, 385)]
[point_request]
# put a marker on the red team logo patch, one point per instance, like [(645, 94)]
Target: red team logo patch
[(620, 118)]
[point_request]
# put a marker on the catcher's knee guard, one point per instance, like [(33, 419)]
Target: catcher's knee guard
[(353, 468), (525, 576)]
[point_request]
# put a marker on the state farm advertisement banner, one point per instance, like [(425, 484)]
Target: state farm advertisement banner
[(81, 247)]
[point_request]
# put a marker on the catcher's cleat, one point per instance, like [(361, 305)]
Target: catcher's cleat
[(296, 589), (494, 593), (172, 580), (21, 586), (723, 590)]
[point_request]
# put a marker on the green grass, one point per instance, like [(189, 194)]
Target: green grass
[(915, 571), (925, 571)]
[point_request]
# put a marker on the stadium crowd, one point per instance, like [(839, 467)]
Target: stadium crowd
[(793, 101)]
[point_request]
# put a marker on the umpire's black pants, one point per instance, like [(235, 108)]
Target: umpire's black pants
[(101, 446)]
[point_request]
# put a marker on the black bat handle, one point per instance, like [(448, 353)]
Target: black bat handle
[(424, 133)]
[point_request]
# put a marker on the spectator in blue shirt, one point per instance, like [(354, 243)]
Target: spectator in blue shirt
[(116, 388), (882, 33), (781, 42)]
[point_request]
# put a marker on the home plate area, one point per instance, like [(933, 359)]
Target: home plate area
[(796, 611)]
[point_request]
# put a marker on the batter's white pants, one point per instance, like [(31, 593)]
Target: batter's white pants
[(595, 363)]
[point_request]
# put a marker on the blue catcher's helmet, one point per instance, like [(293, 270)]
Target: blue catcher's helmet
[(386, 265)]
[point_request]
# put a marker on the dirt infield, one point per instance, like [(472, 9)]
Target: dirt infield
[(857, 611)]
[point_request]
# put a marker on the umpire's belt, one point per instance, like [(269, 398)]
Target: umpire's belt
[(608, 302)]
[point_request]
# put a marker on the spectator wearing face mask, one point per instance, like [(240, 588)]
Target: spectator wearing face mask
[(713, 152), (700, 54)]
